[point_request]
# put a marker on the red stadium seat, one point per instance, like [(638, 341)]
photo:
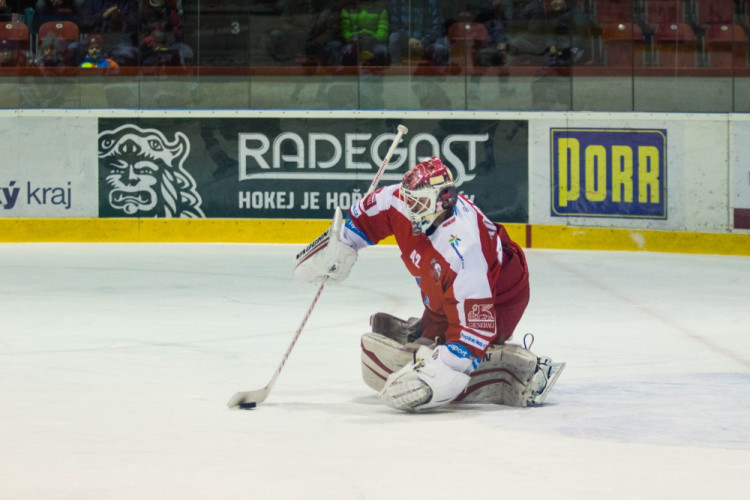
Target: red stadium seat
[(66, 33), (63, 30), (623, 45), (675, 46), (726, 46), (16, 35)]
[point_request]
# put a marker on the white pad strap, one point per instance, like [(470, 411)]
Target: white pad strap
[(328, 257), (427, 382)]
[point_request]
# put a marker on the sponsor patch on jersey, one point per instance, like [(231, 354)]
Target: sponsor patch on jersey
[(480, 314), (472, 340)]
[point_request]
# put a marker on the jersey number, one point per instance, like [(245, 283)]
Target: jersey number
[(415, 258)]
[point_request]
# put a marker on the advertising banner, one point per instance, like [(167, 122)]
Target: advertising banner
[(48, 167), (297, 168), (609, 172)]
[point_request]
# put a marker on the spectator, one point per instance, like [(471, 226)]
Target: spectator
[(154, 51), (526, 32), (286, 43), (161, 31), (9, 54), (50, 55), (364, 28), (54, 10), (117, 23), (161, 15), (418, 32), (566, 32), (492, 14), (6, 13), (95, 57), (325, 41)]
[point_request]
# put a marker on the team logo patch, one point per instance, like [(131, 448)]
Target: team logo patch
[(144, 176), (480, 315), (436, 270)]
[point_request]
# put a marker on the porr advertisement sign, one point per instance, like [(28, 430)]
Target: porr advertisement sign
[(297, 167)]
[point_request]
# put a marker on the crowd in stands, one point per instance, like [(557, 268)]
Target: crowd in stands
[(434, 33), (504, 32), (92, 33)]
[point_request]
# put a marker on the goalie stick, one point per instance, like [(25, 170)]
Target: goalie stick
[(251, 399)]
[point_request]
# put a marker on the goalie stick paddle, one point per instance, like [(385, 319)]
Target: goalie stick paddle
[(247, 400)]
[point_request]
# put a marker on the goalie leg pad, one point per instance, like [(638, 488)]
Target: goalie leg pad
[(513, 376), (381, 356), (509, 374), (503, 376)]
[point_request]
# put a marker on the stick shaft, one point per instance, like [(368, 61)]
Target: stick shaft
[(401, 131), (262, 394)]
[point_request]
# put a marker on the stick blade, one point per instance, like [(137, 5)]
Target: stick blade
[(248, 400)]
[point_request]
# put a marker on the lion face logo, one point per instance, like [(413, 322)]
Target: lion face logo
[(145, 173)]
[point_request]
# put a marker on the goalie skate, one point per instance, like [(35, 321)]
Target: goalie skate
[(543, 381)]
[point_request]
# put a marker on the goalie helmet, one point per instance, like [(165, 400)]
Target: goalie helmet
[(427, 190)]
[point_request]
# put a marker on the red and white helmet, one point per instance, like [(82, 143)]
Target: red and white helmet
[(428, 190)]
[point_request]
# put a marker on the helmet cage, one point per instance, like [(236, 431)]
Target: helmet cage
[(428, 191)]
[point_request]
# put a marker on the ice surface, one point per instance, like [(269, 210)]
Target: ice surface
[(117, 361)]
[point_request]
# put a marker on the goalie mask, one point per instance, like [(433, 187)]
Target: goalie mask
[(428, 191)]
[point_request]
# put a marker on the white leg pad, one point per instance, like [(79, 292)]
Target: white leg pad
[(382, 356), (508, 374)]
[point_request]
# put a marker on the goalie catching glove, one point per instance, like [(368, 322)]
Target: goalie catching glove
[(328, 257)]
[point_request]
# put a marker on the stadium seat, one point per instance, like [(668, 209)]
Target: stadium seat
[(726, 46), (66, 33), (623, 45), (675, 46), (16, 34)]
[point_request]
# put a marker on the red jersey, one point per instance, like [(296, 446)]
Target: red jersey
[(458, 266)]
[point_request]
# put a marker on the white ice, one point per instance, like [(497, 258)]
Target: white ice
[(117, 361)]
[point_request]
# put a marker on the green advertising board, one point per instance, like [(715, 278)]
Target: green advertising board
[(297, 168)]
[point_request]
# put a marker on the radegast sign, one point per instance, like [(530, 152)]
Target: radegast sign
[(297, 167), (609, 173)]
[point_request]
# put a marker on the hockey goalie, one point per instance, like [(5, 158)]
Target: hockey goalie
[(474, 284)]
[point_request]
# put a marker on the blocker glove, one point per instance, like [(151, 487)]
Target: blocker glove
[(328, 257)]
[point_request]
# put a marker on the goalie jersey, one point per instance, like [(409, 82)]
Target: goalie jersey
[(473, 278)]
